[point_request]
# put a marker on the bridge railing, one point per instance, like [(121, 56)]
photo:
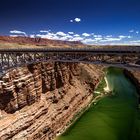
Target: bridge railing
[(116, 56), (102, 49)]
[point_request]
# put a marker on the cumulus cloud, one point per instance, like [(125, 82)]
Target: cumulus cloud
[(89, 41), (32, 36), (86, 34), (14, 35), (97, 36), (71, 33), (108, 36), (61, 33), (71, 20), (131, 31), (48, 36), (17, 32), (76, 39), (135, 41), (66, 38), (76, 35), (55, 36), (44, 31), (104, 40), (111, 39), (123, 36), (76, 20), (129, 37), (86, 38)]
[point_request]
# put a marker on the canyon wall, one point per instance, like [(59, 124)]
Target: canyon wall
[(37, 101)]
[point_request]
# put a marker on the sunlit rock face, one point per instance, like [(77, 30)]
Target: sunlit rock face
[(27, 42), (37, 101)]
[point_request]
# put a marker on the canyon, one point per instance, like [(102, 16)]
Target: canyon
[(38, 101)]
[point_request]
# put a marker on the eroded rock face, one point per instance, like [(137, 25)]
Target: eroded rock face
[(27, 42), (37, 101)]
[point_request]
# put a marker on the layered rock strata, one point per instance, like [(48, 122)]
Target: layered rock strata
[(37, 101)]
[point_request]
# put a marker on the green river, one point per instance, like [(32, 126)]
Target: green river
[(115, 116)]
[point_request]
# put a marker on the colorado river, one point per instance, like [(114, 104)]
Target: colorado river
[(114, 117)]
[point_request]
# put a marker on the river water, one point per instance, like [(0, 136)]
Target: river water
[(114, 117)]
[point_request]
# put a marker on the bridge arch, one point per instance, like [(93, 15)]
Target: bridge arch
[(127, 58)]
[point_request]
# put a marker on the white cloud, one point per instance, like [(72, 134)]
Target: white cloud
[(86, 34), (122, 36), (77, 19), (76, 35), (87, 38), (97, 36), (17, 32), (67, 37), (56, 36), (135, 41), (71, 33), (108, 36), (76, 39), (63, 38), (89, 41), (131, 31), (14, 35), (61, 33), (32, 36), (130, 37), (111, 39), (44, 31), (48, 36)]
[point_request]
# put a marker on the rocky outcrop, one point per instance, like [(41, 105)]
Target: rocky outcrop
[(38, 101), (25, 42), (134, 77)]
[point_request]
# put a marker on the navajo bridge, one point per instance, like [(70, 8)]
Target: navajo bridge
[(126, 57)]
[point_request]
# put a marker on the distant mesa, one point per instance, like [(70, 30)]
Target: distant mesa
[(12, 42)]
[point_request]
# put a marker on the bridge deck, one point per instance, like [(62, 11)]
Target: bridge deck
[(122, 57), (95, 50)]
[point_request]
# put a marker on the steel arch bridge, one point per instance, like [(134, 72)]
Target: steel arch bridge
[(119, 57)]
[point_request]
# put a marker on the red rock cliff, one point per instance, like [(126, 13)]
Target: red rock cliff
[(37, 101)]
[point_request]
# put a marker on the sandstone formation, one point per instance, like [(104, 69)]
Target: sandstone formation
[(27, 42), (38, 101)]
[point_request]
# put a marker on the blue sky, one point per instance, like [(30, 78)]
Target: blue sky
[(89, 21)]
